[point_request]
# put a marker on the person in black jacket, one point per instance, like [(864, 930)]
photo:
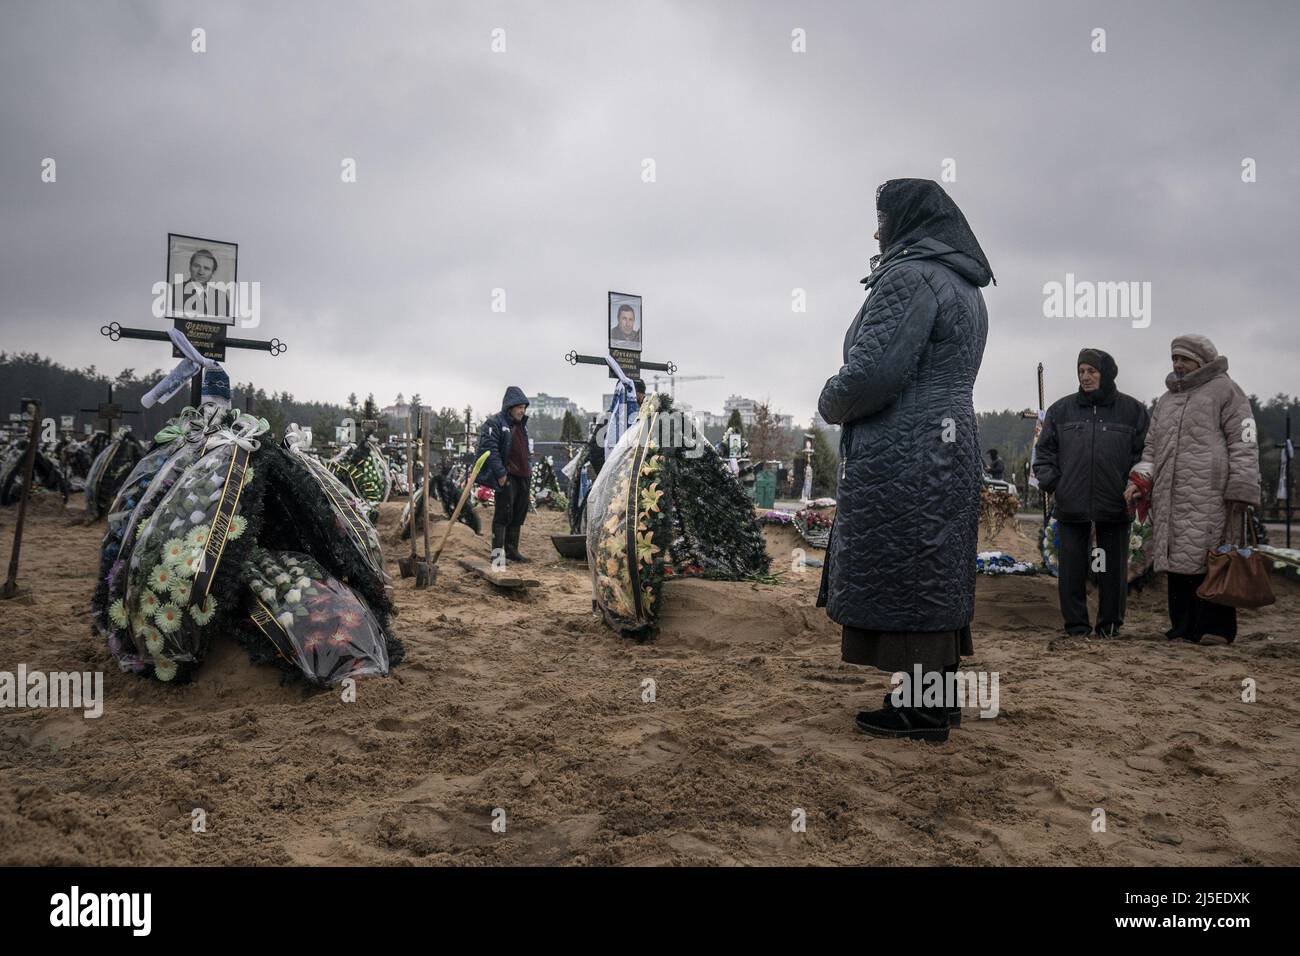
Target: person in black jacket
[(507, 471), (899, 571), (1089, 443), (996, 470)]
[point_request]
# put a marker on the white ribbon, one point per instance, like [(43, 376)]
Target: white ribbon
[(242, 433), (618, 421), (294, 436), (175, 380), (1288, 454)]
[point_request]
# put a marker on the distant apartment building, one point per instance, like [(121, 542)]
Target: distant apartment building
[(553, 406), (745, 406), (748, 408)]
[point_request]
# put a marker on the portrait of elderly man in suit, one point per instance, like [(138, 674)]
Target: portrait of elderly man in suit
[(200, 295)]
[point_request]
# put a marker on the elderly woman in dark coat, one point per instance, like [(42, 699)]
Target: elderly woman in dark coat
[(900, 566)]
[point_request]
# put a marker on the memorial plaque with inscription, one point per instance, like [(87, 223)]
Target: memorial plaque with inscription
[(628, 361), (209, 338)]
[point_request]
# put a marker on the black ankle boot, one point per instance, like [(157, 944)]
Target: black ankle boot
[(910, 723), (512, 546), (954, 713)]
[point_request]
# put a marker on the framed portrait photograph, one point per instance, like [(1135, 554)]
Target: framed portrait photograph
[(201, 277), (625, 321)]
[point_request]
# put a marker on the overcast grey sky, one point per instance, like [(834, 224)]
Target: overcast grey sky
[(522, 170)]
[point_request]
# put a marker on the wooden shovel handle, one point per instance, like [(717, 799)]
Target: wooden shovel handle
[(464, 496)]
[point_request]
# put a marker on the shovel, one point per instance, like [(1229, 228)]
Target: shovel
[(464, 496)]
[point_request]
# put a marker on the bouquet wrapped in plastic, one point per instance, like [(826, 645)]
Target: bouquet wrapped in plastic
[(109, 469), (663, 506), (185, 558), (315, 623), (172, 592), (349, 512), (364, 469)]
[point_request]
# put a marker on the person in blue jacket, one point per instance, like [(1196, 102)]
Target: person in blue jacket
[(507, 471)]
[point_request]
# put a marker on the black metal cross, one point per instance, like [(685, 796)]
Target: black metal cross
[(573, 358), (212, 343), (1286, 474), (110, 411)]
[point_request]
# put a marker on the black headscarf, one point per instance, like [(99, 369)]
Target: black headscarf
[(1109, 370), (909, 210)]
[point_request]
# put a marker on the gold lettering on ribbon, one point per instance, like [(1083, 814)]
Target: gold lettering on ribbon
[(219, 530)]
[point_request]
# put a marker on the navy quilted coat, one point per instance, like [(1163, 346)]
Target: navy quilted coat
[(903, 545)]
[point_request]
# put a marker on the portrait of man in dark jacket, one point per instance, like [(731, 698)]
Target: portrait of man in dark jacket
[(507, 471), (1089, 442), (899, 575)]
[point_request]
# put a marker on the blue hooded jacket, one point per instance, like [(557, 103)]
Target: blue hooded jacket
[(494, 437)]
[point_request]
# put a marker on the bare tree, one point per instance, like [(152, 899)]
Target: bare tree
[(767, 439)]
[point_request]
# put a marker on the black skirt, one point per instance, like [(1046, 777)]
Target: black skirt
[(1193, 618), (893, 651)]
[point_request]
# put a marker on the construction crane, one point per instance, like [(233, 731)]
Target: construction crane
[(674, 379)]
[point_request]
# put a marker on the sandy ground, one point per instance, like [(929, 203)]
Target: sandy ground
[(528, 704)]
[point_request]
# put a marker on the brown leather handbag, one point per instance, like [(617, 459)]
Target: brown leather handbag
[(1237, 577)]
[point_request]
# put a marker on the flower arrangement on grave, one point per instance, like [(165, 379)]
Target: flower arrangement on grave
[(544, 489), (814, 525), (364, 470), (109, 470), (1285, 561), (317, 626), (1000, 562), (189, 537), (657, 511)]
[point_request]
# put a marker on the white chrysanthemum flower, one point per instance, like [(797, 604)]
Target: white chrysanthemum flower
[(117, 613), (173, 551), (238, 524), (204, 613), (180, 590), (293, 596), (267, 594), (153, 639), (188, 566), (197, 538), (168, 618), (161, 577), (149, 603), (164, 669)]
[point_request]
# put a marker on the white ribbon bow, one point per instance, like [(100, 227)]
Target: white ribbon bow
[(242, 433)]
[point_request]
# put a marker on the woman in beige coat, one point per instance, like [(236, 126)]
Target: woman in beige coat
[(1199, 471)]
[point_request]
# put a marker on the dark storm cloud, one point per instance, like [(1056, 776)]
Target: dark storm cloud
[(521, 171)]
